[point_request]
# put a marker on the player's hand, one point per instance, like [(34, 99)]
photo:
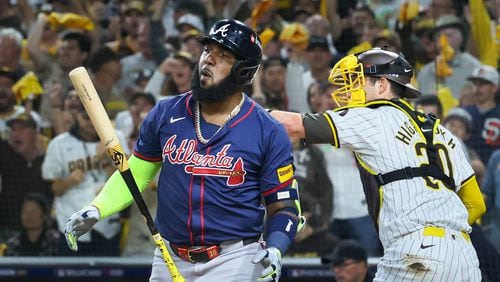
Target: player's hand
[(271, 260), (80, 223)]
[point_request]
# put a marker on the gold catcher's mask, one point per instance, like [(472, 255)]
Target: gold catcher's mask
[(348, 75)]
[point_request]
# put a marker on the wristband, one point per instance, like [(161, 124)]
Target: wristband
[(281, 231)]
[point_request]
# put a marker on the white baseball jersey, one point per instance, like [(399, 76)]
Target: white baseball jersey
[(385, 139), (65, 153)]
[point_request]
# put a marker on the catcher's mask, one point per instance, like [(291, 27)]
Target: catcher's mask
[(349, 73)]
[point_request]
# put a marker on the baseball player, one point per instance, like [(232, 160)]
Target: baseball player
[(220, 155), (422, 192)]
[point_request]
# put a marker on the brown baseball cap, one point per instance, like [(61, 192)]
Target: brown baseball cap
[(23, 119)]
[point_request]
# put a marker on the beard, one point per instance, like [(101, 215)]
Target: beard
[(216, 93)]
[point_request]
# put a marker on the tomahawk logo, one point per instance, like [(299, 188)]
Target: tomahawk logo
[(223, 30), (235, 175)]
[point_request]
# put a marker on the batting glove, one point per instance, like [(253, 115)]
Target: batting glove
[(270, 259), (80, 223)]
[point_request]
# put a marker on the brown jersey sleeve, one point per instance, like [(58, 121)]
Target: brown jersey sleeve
[(320, 129)]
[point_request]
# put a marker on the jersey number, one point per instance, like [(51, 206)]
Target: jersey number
[(442, 152)]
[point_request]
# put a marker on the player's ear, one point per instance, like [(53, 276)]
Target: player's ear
[(382, 85)]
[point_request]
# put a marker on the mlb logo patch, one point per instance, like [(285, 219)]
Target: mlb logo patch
[(283, 195)]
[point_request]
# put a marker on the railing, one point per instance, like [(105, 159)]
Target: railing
[(131, 269)]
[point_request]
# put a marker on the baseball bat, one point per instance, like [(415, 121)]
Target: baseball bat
[(100, 119)]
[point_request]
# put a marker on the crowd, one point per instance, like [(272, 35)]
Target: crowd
[(140, 52)]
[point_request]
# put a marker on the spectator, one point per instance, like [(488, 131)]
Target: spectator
[(359, 20), (107, 20), (136, 62), (320, 26), (429, 104), (75, 164), (462, 63), (491, 190), (63, 114), (314, 97), (106, 71), (349, 262), (459, 122), (8, 107), (440, 8), (424, 45), (20, 169), (188, 22), (128, 121), (132, 17), (190, 44), (273, 83), (316, 198), (388, 39), (467, 95), (11, 46), (136, 238), (73, 51), (172, 77), (37, 238), (9, 16), (318, 58), (485, 135)]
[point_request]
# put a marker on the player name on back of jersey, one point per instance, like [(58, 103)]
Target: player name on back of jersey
[(406, 132)]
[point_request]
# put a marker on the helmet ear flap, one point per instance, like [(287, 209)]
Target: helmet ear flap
[(243, 72)]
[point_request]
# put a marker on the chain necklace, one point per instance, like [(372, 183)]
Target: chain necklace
[(233, 113)]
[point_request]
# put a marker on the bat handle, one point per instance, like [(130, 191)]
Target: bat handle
[(174, 272)]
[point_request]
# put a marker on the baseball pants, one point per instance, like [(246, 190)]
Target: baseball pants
[(234, 263), (430, 254)]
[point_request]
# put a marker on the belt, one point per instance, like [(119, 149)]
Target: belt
[(204, 254), (441, 232)]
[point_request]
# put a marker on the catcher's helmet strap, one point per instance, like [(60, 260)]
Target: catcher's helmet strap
[(393, 67), (426, 124)]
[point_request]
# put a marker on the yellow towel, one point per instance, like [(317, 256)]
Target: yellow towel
[(266, 35), (27, 87), (446, 98), (296, 34), (259, 10), (408, 11), (70, 20)]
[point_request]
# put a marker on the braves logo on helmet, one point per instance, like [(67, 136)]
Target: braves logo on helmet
[(222, 30)]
